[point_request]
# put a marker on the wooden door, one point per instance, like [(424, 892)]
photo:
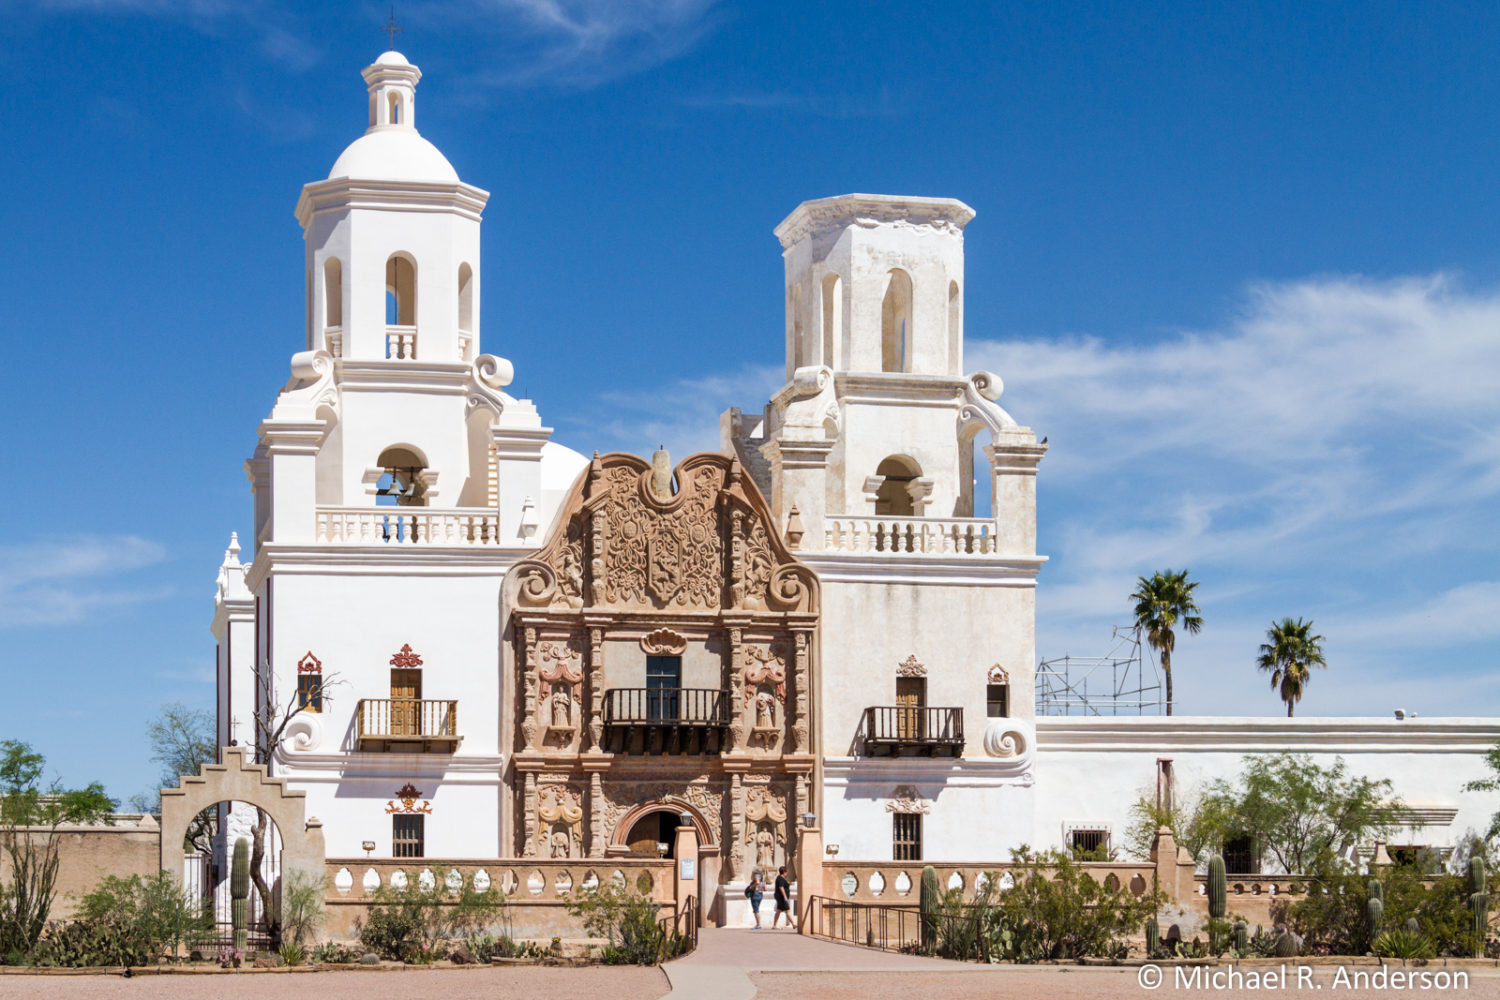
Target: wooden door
[(406, 695), (911, 695)]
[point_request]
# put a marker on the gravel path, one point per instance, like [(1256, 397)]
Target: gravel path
[(516, 983)]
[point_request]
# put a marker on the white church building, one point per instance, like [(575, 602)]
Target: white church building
[(563, 654)]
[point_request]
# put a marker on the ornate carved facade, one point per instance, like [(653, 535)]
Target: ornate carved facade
[(662, 643)]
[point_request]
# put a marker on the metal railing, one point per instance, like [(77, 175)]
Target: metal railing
[(407, 719), (678, 925), (894, 928), (705, 707), (891, 730)]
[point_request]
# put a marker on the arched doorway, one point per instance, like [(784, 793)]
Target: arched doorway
[(654, 834)]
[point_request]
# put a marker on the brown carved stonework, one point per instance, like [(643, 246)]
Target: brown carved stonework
[(997, 675), (661, 553), (906, 799), (406, 658), (664, 642), (911, 667), (408, 795)]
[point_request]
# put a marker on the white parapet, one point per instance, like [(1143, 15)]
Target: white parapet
[(962, 536), (453, 526)]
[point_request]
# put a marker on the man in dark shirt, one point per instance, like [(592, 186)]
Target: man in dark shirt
[(783, 899)]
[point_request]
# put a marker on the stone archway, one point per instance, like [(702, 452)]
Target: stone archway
[(237, 780), (619, 838)]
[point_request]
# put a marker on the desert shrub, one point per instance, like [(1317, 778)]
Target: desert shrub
[(1057, 910), (151, 912), (1404, 944), (91, 942), (627, 919), (330, 953), (301, 907), (292, 953), (411, 926)]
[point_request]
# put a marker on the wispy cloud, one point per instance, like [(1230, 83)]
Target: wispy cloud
[(882, 102), (578, 43), (65, 580), (1331, 451)]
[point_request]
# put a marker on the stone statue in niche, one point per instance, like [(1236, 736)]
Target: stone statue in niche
[(562, 700), (765, 711), (562, 842), (765, 848)]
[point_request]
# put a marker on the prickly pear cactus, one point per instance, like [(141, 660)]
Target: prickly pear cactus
[(930, 899), (1218, 888), (239, 892)]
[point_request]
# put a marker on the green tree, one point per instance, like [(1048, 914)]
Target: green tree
[(1199, 824), (1489, 784), (1296, 811), (1288, 654), (1162, 603), (30, 814), (182, 740)]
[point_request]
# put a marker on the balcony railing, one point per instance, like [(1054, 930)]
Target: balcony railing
[(452, 526), (408, 725), (960, 536), (665, 720), (401, 343), (912, 731)]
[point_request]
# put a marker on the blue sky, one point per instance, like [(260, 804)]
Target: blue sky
[(1240, 263)]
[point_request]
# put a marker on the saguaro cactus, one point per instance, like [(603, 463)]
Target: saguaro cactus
[(1376, 889), (1374, 914), (1153, 938), (929, 908), (1479, 913), (1476, 875), (1241, 938), (239, 892), (1218, 887)]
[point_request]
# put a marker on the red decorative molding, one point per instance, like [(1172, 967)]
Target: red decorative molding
[(408, 795), (406, 658), (309, 664)]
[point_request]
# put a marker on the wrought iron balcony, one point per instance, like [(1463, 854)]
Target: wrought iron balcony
[(665, 720), (911, 731), (408, 725)]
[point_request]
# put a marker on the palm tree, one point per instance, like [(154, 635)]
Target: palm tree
[(1162, 602), (1287, 654)]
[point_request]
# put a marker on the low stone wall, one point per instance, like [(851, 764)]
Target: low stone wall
[(895, 883), (535, 893), (87, 854)]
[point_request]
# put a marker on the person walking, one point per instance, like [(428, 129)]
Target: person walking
[(783, 899), (755, 891)]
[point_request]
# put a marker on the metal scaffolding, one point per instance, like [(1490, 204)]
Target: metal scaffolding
[(1114, 684)]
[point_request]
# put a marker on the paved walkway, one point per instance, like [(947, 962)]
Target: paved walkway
[(719, 968)]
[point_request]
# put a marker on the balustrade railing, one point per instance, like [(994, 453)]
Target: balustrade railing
[(521, 880), (449, 526), (898, 883), (401, 343), (965, 536), (402, 720), (666, 707), (892, 730)]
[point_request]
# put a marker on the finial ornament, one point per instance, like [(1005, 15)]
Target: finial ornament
[(392, 30)]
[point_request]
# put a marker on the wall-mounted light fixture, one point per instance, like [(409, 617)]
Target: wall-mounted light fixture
[(808, 819), (832, 850), (367, 846)]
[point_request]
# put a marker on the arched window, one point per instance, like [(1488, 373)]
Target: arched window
[(893, 498), (955, 330), (466, 298), (895, 323), (833, 316), (402, 484), (394, 100), (400, 291), (333, 292)]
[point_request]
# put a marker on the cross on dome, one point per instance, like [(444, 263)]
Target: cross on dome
[(392, 29)]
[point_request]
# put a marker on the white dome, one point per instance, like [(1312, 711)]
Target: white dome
[(393, 154), (392, 58), (561, 467)]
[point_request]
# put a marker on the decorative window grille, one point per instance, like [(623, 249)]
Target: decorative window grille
[(1094, 843), (407, 835), (906, 836)]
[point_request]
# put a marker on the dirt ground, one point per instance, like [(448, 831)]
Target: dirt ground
[(516, 983)]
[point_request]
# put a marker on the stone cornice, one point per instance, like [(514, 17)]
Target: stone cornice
[(961, 772), (382, 560), (928, 569), (1205, 734), (841, 211), (343, 193), (437, 377)]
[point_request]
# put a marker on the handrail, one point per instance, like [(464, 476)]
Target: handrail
[(407, 717), (666, 707), (912, 725), (897, 928)]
